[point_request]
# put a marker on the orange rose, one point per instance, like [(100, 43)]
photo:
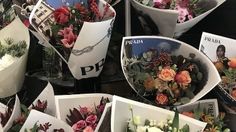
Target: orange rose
[(167, 74), (233, 93), (161, 99), (232, 63), (183, 78), (189, 114), (149, 83)]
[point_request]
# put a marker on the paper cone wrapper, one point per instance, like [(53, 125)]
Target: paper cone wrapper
[(121, 114), (166, 20), (89, 52), (36, 117), (47, 95), (12, 77), (210, 105), (74, 101), (15, 113), (208, 46), (133, 48)]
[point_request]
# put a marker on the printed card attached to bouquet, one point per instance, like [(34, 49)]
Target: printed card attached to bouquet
[(78, 31), (173, 17), (165, 71), (221, 51)]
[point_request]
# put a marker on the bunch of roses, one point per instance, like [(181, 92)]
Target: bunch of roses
[(170, 80), (85, 119), (227, 70), (186, 8), (69, 21)]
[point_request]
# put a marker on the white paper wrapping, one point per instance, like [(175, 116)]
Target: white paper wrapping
[(15, 113), (166, 20), (132, 46), (12, 77), (89, 52), (42, 118), (121, 114)]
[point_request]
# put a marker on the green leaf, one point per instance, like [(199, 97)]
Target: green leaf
[(175, 123), (185, 100), (185, 128), (199, 76)]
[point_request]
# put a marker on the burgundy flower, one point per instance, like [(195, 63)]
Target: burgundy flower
[(91, 119), (40, 105), (101, 107), (61, 15), (79, 126), (161, 99), (84, 110), (68, 36)]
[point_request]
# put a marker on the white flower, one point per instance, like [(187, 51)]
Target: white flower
[(154, 129), (142, 128), (137, 120), (6, 61)]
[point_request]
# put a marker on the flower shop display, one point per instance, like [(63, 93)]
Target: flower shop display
[(165, 71), (221, 51), (155, 117), (206, 111), (83, 111), (38, 121), (174, 17), (13, 57), (67, 29), (9, 114)]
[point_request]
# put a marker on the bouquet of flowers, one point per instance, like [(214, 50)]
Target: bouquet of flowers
[(174, 17), (84, 111), (149, 118), (7, 14), (164, 71), (13, 57), (65, 28), (38, 121), (225, 62), (206, 111)]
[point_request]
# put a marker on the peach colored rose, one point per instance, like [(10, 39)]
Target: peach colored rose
[(167, 74), (149, 83), (189, 114), (183, 78), (233, 93), (161, 99), (88, 129), (232, 63)]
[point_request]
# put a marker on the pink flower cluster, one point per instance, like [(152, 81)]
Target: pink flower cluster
[(182, 6)]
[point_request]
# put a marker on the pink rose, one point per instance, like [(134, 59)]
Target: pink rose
[(101, 108), (88, 129), (183, 78), (80, 125), (91, 119), (68, 36), (167, 74), (84, 110), (161, 99), (61, 15)]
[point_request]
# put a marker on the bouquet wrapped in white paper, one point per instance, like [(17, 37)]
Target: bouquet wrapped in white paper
[(147, 117), (81, 32), (14, 45), (83, 111), (165, 71), (174, 17), (37, 121)]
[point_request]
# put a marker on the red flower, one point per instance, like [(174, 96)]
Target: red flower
[(68, 36), (91, 119), (233, 93), (79, 126), (61, 15), (161, 99), (40, 105), (183, 78), (189, 114)]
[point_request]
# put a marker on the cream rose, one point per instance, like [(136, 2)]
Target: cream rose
[(167, 74)]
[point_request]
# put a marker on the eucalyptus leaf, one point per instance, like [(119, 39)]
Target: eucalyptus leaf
[(189, 95), (184, 100), (185, 128), (199, 76)]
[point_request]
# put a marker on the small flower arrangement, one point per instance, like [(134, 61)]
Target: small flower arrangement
[(170, 125), (68, 21), (166, 79), (43, 128), (227, 70), (213, 124), (18, 123), (10, 51), (187, 9), (85, 119), (7, 14), (5, 116)]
